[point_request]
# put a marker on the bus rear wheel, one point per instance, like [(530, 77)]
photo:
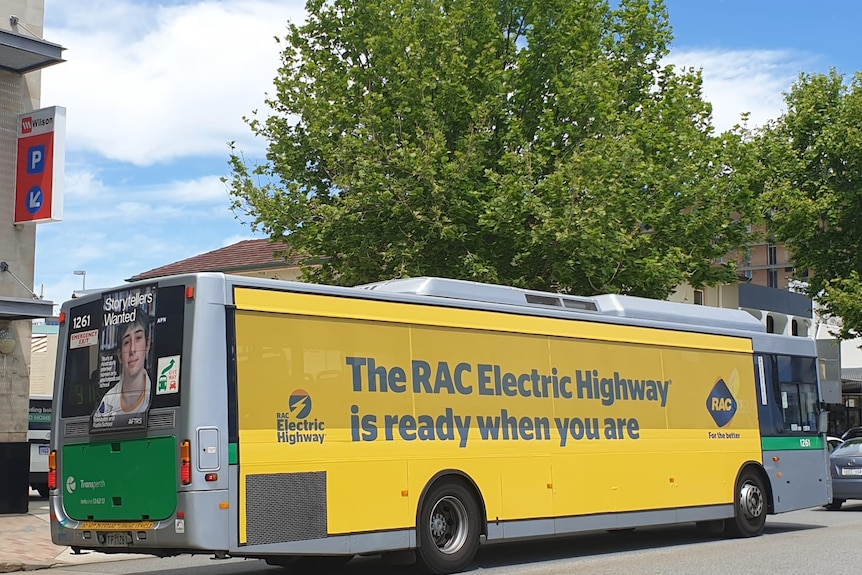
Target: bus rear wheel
[(750, 506), (448, 528)]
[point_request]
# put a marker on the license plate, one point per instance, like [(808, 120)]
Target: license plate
[(44, 449), (851, 471), (117, 538)]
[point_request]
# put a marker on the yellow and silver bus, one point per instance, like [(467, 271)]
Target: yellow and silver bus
[(293, 422)]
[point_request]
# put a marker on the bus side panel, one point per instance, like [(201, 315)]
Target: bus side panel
[(644, 435), (105, 481), (348, 419), (788, 466), (300, 435)]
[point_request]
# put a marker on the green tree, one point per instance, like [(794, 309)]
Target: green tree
[(534, 144), (812, 195)]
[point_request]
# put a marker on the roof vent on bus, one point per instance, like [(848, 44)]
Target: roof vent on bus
[(479, 292), (543, 300), (579, 304)]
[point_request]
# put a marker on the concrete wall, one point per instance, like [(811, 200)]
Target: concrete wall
[(18, 94)]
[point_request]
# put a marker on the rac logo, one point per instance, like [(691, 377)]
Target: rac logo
[(721, 404)]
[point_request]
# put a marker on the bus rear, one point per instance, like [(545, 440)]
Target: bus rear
[(131, 457)]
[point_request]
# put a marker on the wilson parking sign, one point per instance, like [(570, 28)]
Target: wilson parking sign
[(40, 166)]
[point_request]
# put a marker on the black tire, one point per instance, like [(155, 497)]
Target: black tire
[(448, 527), (750, 506), (834, 505), (43, 491)]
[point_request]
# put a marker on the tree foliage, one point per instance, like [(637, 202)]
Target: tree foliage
[(534, 144), (812, 195)]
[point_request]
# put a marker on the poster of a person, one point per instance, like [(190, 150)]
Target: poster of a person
[(124, 371)]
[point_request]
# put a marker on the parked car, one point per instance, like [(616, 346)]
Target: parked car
[(845, 465), (39, 436), (852, 432), (833, 442)]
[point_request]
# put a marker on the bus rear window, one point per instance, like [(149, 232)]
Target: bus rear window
[(124, 356)]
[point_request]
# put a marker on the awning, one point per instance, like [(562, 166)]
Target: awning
[(22, 54), (14, 308)]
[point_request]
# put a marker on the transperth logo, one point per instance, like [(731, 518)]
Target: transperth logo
[(70, 484)]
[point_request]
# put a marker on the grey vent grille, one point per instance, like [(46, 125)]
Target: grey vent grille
[(77, 428), (285, 507), (164, 420)]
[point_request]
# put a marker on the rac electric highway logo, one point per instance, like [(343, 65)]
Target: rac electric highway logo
[(295, 426), (299, 404), (721, 404)]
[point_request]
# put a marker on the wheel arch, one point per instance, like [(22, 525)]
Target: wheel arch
[(757, 467), (464, 479)]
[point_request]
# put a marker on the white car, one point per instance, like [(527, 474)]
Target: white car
[(833, 442)]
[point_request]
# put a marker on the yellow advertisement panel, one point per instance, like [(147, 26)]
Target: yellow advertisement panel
[(546, 424)]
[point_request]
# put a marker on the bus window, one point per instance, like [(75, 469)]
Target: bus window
[(797, 377), (790, 384)]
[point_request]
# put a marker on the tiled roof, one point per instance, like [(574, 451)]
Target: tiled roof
[(851, 373), (241, 256)]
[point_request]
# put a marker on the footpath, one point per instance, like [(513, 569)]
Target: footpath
[(25, 545)]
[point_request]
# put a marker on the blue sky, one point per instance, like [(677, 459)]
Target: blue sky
[(154, 91)]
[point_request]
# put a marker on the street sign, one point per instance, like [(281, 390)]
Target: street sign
[(40, 166)]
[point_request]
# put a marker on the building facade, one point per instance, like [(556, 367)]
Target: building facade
[(23, 54)]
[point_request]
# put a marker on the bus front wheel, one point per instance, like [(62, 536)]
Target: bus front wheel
[(448, 528), (750, 506)]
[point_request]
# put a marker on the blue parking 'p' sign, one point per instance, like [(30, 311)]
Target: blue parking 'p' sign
[(36, 159)]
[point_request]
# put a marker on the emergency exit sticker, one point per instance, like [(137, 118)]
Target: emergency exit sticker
[(84, 339), (168, 375)]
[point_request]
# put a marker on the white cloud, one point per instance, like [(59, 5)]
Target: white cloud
[(115, 230), (200, 190), (82, 184), (739, 81), (91, 199), (146, 83)]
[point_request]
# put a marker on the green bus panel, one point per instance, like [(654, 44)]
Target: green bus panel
[(124, 480), (792, 443)]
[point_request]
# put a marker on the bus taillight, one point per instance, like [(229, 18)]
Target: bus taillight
[(52, 470), (186, 462)]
